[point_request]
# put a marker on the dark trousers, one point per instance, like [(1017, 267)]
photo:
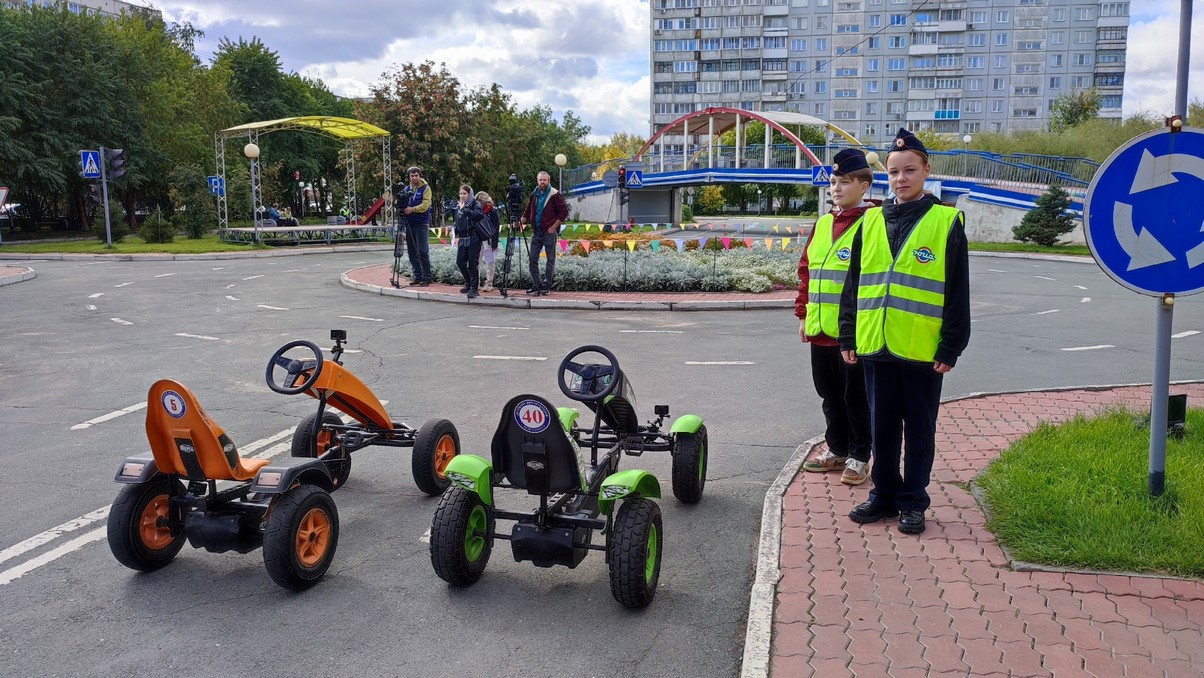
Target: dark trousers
[(546, 241), (904, 398), (467, 254), (841, 388), (419, 253)]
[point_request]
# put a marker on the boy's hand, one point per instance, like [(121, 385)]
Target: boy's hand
[(802, 329), (850, 357), (941, 367)]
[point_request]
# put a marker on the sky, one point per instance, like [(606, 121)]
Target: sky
[(587, 56)]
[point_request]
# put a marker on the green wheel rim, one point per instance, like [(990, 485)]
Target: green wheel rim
[(650, 563), (702, 462), (474, 536)]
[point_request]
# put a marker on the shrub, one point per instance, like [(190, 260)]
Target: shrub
[(1048, 221), (119, 228), (156, 229), (687, 214)]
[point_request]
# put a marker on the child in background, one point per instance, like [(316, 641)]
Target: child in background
[(489, 249)]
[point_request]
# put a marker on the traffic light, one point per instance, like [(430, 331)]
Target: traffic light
[(93, 194), (116, 157), (622, 177)]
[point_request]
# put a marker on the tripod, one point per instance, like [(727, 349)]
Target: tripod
[(504, 289), (398, 246)]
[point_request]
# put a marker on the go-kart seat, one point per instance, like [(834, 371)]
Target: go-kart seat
[(536, 454), (185, 441)]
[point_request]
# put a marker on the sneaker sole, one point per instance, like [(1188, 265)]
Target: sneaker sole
[(850, 481), (823, 470), (881, 516), (916, 529)]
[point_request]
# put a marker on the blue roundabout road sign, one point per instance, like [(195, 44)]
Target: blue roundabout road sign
[(1143, 217)]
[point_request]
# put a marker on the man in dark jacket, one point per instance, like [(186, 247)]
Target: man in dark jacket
[(417, 211), (546, 210)]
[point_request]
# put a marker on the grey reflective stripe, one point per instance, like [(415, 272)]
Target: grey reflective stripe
[(917, 307), (874, 278), (917, 282), (824, 298), (826, 274), (871, 304)]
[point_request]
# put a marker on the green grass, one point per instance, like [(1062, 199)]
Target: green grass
[(1028, 247), (1076, 495), (131, 244)]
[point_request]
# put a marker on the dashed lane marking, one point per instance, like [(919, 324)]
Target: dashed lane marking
[(360, 317), (720, 362), (271, 308), (507, 357), (495, 327), (164, 275), (1052, 310), (91, 307), (1079, 287), (996, 270), (1085, 300), (1043, 277), (1188, 333), (197, 336), (253, 277), (232, 298), (53, 533), (111, 415), (119, 321), (651, 332), (124, 284), (96, 296), (1089, 348)]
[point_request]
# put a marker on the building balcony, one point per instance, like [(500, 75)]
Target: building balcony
[(914, 116), (1112, 21), (777, 10), (916, 50)]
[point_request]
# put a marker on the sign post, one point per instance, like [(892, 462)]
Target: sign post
[(3, 197), (1146, 237)]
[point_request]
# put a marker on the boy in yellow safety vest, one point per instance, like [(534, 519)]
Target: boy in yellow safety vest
[(821, 274), (905, 312)]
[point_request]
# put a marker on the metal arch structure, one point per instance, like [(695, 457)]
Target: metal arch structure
[(720, 119), (348, 130)]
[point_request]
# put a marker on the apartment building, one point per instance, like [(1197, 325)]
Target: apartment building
[(102, 7), (872, 66)]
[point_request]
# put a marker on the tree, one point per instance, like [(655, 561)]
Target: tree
[(1048, 221), (1074, 108), (709, 200)]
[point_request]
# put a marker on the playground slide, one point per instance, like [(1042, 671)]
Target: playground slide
[(376, 207)]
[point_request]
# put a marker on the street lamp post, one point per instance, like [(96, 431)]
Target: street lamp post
[(301, 189), (758, 202), (561, 160), (966, 158), (252, 151)]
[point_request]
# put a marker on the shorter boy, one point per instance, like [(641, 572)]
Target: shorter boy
[(821, 273)]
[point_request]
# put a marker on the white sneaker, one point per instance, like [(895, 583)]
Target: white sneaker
[(855, 472), (826, 461)]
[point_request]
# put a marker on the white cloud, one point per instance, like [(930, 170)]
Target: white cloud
[(1152, 59)]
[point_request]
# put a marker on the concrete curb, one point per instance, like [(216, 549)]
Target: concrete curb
[(27, 274), (204, 256)]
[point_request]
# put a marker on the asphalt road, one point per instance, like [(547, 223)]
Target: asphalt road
[(85, 340)]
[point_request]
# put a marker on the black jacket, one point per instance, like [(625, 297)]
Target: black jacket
[(955, 321), (469, 222), (493, 220)]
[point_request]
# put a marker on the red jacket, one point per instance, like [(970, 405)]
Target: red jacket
[(841, 223)]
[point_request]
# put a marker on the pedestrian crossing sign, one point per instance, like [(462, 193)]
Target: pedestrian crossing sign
[(821, 175), (90, 161), (635, 178), (3, 195)]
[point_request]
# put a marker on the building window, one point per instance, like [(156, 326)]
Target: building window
[(1057, 38), (1079, 81), (925, 62), (1084, 14), (821, 66), (1024, 112), (821, 22), (998, 84), (844, 93), (1028, 68), (871, 86), (873, 65), (922, 82), (1001, 39), (974, 84), (976, 40), (1059, 14), (871, 108), (821, 87), (972, 106), (978, 17), (894, 85), (1056, 60), (1110, 101), (948, 83), (1055, 82), (875, 21), (1110, 56), (819, 108), (750, 43), (874, 43), (894, 107), (775, 42), (897, 41), (999, 61), (685, 66), (821, 44), (1029, 45), (1003, 16), (846, 72), (896, 64), (798, 45), (1026, 91), (773, 65), (975, 62), (997, 106), (848, 28), (1109, 79), (750, 65), (1114, 9), (1081, 59), (1083, 37), (1119, 33), (711, 44)]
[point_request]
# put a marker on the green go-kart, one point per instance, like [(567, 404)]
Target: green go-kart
[(574, 470)]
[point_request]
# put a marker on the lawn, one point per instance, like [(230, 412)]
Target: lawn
[(1076, 495)]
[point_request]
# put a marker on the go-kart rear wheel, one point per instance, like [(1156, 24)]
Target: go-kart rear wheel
[(140, 525), (461, 537), (634, 550), (305, 446), (301, 537), (690, 465), (434, 446)]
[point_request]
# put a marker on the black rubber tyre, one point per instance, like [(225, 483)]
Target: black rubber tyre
[(136, 536), (301, 537), (690, 465), (434, 446), (634, 550), (461, 537), (303, 446)]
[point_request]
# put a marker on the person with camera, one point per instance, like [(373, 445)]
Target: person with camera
[(417, 200), (471, 230), (546, 210)]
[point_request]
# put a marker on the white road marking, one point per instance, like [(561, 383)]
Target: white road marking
[(1042, 277), (507, 357), (347, 350), (229, 286), (123, 284), (360, 317), (91, 307), (996, 270), (164, 275), (651, 332), (495, 327), (1089, 348), (1079, 287), (53, 533), (28, 566), (232, 298), (1085, 300), (294, 270), (220, 268), (111, 415), (96, 296), (720, 362), (271, 308), (1188, 333), (253, 277), (197, 336), (426, 537), (1052, 310), (119, 321)]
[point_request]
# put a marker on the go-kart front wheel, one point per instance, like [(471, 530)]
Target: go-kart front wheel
[(634, 550), (461, 537), (690, 465), (140, 526), (305, 444), (434, 446), (301, 537)]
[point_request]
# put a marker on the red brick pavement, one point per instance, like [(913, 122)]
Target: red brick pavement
[(868, 600)]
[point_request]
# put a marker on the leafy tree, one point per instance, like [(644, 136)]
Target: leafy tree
[(709, 200), (1048, 221), (1073, 108)]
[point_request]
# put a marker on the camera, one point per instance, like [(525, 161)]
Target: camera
[(338, 335), (514, 195)]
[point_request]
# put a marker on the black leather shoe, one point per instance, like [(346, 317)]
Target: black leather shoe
[(424, 283), (472, 294), (464, 290), (414, 283), (911, 522), (869, 512), (545, 292), (534, 291)]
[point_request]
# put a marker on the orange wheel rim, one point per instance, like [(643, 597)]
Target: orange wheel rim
[(313, 537), (155, 536), (323, 440), (445, 450)]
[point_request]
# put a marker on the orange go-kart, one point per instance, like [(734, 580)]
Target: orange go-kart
[(194, 485)]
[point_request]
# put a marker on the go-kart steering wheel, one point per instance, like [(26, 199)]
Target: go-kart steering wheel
[(295, 367), (588, 373)]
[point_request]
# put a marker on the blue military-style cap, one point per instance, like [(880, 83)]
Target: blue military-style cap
[(849, 160), (906, 141)]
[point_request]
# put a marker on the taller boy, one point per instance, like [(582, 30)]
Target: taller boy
[(821, 274), (905, 309)]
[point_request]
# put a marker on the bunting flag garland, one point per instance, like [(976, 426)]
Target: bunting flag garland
[(727, 243), (681, 244), (748, 242), (585, 244), (702, 241), (683, 226), (442, 241), (769, 244), (609, 243), (656, 245), (564, 246), (631, 245), (775, 229), (788, 230), (785, 242)]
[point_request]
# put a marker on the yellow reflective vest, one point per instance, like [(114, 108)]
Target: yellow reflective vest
[(901, 300), (827, 266)]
